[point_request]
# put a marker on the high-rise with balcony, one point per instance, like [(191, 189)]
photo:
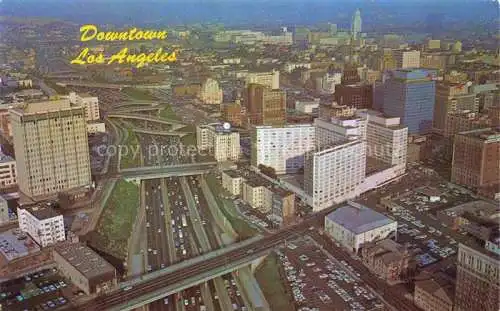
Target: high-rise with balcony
[(51, 147), (410, 95), (282, 148)]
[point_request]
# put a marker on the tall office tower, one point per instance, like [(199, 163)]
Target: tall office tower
[(452, 98), (387, 139), (270, 79), (333, 173), (410, 95), (223, 142), (265, 106), (406, 58), (282, 148), (477, 285), (356, 24), (337, 129), (51, 147), (476, 158)]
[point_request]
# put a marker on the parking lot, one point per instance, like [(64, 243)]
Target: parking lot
[(42, 290), (418, 225), (318, 281)]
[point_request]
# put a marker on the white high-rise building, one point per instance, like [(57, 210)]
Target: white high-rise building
[(406, 58), (338, 129), (90, 103), (387, 138), (220, 140), (334, 173), (43, 224), (270, 79), (51, 147), (356, 24), (282, 148)]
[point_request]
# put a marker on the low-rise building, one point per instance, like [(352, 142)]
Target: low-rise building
[(354, 224), (85, 268), (232, 182), (257, 192), (389, 260), (8, 173), (44, 224), (283, 206), (434, 293), (96, 127)]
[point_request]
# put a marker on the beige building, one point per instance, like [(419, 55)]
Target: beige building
[(257, 192), (90, 103), (434, 293), (478, 279), (232, 182), (283, 206), (85, 268), (270, 79), (406, 59), (389, 260), (210, 92), (96, 127), (8, 172), (51, 147)]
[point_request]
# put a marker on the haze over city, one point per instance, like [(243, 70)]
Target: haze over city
[(249, 155)]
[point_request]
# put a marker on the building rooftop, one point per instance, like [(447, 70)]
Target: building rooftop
[(41, 212), (6, 158), (438, 285), (85, 260), (232, 173), (358, 218), (482, 209), (487, 134)]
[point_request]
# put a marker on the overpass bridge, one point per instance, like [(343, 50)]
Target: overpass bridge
[(151, 287), (154, 172), (95, 85), (174, 123), (160, 133)]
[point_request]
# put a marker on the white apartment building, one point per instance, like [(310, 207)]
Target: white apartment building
[(269, 79), (335, 173), (406, 58), (282, 148), (355, 224), (223, 143), (51, 147), (232, 182), (43, 224), (387, 138), (91, 104), (8, 173), (339, 129), (211, 93)]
